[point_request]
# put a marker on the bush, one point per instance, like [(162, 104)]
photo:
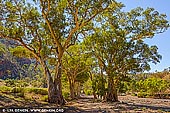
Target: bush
[(5, 89), (36, 83), (88, 92), (44, 98), (123, 87), (17, 90), (142, 94), (41, 91), (10, 82), (134, 94), (21, 94), (66, 95), (16, 83), (23, 84), (153, 85)]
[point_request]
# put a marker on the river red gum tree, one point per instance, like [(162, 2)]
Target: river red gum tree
[(47, 28), (118, 43)]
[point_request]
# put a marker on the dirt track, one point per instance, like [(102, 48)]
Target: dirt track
[(127, 104)]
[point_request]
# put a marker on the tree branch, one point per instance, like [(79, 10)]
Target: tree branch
[(58, 44), (73, 30), (23, 44)]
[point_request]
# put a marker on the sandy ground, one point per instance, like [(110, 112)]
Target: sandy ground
[(127, 104)]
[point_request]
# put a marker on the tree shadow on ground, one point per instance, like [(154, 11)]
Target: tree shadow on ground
[(8, 102), (133, 106), (118, 107)]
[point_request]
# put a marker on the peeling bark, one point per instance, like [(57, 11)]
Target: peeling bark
[(78, 90), (112, 91), (72, 89), (54, 86)]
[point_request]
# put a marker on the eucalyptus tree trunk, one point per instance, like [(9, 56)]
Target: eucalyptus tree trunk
[(94, 91), (72, 89), (72, 92), (59, 99), (112, 91), (78, 89), (54, 85)]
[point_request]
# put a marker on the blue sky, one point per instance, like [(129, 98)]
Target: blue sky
[(161, 40)]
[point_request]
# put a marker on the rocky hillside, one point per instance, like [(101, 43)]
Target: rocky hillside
[(10, 66)]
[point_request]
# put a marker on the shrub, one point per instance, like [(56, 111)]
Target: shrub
[(17, 90), (66, 95), (88, 92), (10, 82), (152, 86), (123, 87), (44, 98), (142, 94), (134, 94), (35, 83), (16, 83), (21, 94), (22, 84), (5, 89), (41, 91)]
